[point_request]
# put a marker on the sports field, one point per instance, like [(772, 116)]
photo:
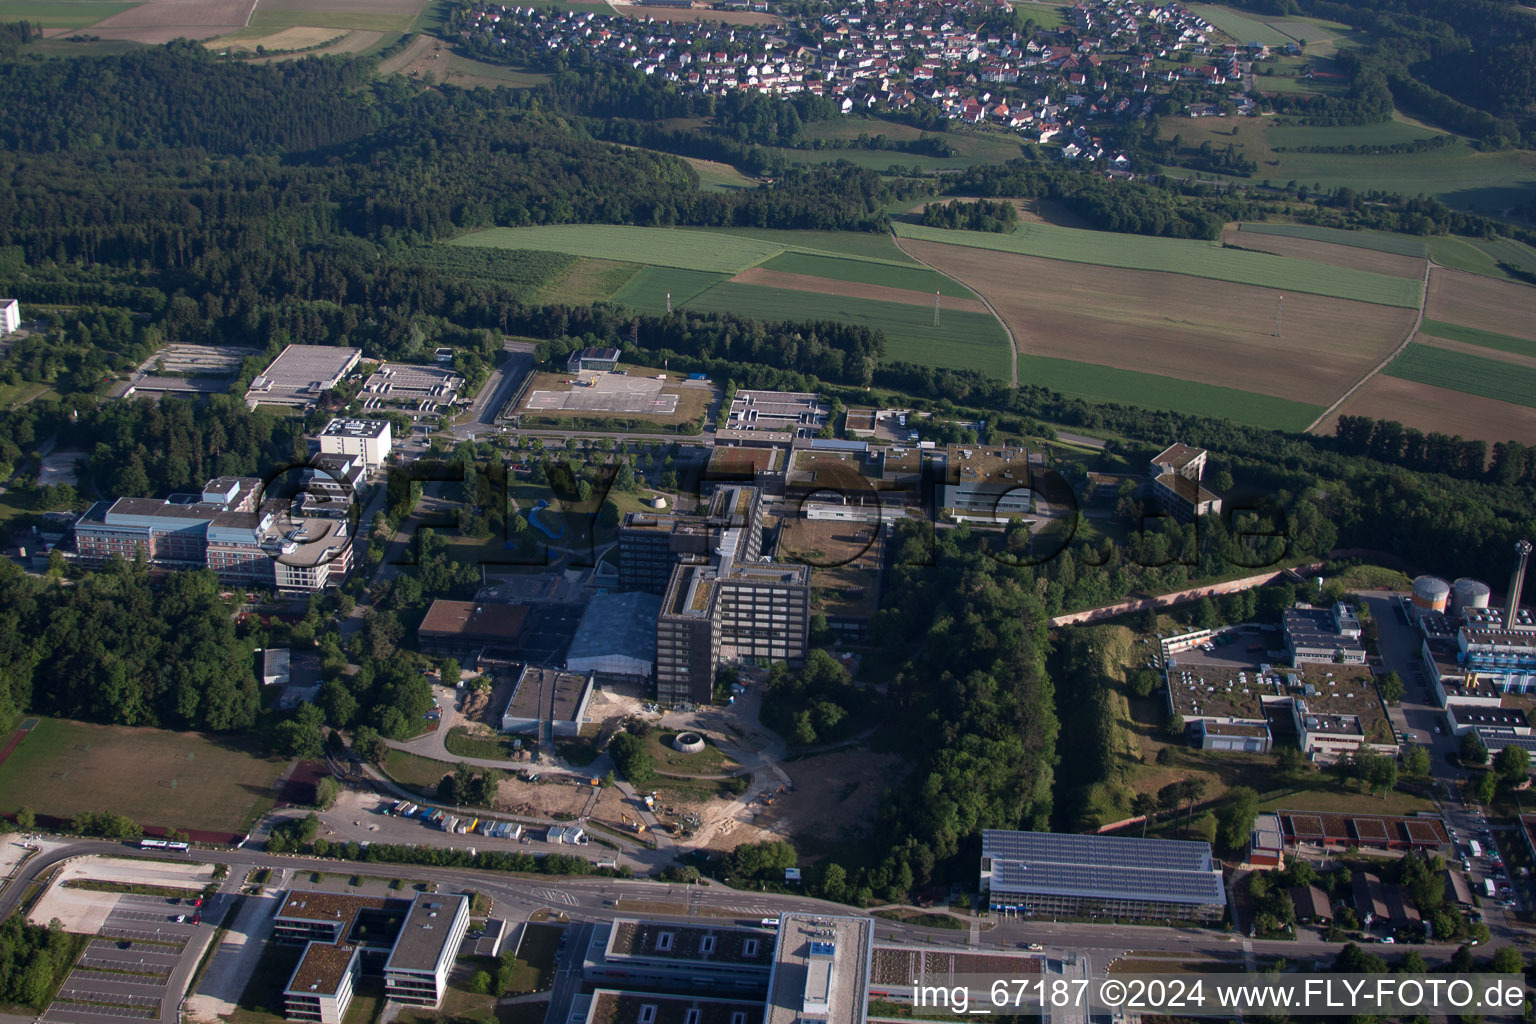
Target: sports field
[(1470, 374), (1172, 325), (1183, 256), (156, 777)]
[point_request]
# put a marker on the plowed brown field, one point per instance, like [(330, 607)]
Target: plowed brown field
[(1471, 300), (160, 21), (1327, 252), (1431, 408), (1170, 324)]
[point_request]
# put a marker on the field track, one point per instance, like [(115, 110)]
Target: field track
[(822, 286)]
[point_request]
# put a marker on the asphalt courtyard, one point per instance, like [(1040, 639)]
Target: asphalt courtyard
[(135, 967)]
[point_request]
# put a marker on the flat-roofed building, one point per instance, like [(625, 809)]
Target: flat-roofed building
[(547, 702), (223, 529), (617, 637), (1490, 650), (1376, 831), (1053, 873), (820, 972), (370, 439), (320, 988), (651, 546), (307, 917), (1176, 474), (598, 360), (787, 414), (416, 389), (1326, 635), (467, 629), (895, 969), (10, 316), (416, 972), (633, 953), (300, 375), (1266, 844), (609, 1006)]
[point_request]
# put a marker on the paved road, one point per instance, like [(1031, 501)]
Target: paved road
[(498, 388)]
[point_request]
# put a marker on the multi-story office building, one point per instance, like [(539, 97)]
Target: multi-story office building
[(223, 528), (368, 438), (416, 972), (10, 316), (320, 989), (651, 546)]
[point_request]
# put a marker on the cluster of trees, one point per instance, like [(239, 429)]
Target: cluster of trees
[(816, 704), (630, 756), (114, 648), (465, 786), (1392, 442), (33, 959), (999, 217)]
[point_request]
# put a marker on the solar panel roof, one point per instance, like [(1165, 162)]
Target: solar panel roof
[(1109, 867)]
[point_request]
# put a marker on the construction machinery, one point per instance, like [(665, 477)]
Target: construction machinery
[(634, 823)]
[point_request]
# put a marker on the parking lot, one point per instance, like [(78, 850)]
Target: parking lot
[(136, 966)]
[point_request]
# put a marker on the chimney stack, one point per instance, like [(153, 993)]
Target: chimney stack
[(1516, 583)]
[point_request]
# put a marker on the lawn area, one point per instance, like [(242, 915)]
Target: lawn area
[(587, 281), (663, 247), (648, 289), (61, 13), (414, 770), (262, 998), (13, 396), (919, 279), (1473, 336), (1472, 375), (1373, 577), (964, 341), (533, 968), (464, 743), (1192, 257), (1379, 241), (1128, 387), (709, 761), (182, 780)]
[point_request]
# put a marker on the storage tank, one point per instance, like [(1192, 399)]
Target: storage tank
[(1466, 594), (1430, 593)]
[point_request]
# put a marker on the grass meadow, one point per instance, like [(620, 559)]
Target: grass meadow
[(647, 290), (1129, 387), (1184, 256), (156, 777)]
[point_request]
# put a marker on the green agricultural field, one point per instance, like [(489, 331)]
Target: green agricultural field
[(663, 247), (525, 269), (275, 19), (1243, 28), (648, 289), (1384, 133), (1380, 241), (156, 777), (1471, 375), (964, 341), (1483, 255), (918, 279), (1184, 256), (1473, 336), (1128, 387), (1458, 175), (864, 245), (587, 281), (61, 13)]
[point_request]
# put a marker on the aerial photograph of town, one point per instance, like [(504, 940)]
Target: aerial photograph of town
[(767, 511)]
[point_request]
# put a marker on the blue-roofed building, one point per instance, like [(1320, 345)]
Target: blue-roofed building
[(1058, 874)]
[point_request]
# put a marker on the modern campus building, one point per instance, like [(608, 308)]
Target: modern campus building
[(616, 639), (652, 546), (224, 529), (1176, 472), (820, 970), (1047, 874), (468, 629), (416, 972), (631, 953), (601, 360), (416, 390), (300, 375), (1323, 635), (367, 438), (320, 988), (773, 417), (10, 316)]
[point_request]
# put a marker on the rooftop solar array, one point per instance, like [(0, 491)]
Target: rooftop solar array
[(1106, 867)]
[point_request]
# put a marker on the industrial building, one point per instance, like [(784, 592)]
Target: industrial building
[(300, 375), (468, 630), (416, 972), (1176, 473), (1049, 874), (601, 360), (369, 439), (547, 702), (10, 316), (1326, 635), (224, 529), (617, 637)]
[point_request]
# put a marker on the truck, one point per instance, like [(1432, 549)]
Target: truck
[(1488, 888), (1475, 847)]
